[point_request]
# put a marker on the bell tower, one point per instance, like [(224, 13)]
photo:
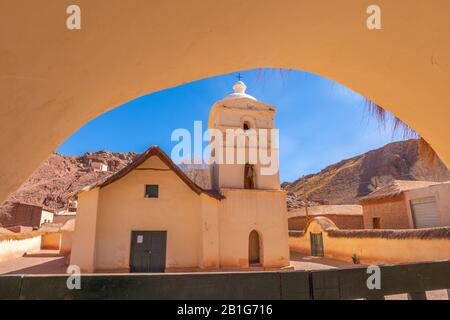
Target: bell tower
[(246, 147)]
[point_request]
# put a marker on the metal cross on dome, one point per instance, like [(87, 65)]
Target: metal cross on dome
[(239, 77)]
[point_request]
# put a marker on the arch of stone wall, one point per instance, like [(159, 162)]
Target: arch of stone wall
[(53, 81)]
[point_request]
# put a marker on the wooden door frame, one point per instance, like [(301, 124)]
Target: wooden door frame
[(146, 232)]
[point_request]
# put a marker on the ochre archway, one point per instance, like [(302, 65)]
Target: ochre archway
[(52, 80)]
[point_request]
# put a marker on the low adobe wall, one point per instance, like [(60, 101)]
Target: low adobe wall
[(16, 245), (66, 242), (374, 246), (51, 241)]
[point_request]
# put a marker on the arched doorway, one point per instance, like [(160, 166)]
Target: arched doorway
[(254, 249)]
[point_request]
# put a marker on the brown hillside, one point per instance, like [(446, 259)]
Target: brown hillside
[(59, 175), (340, 183), (346, 181)]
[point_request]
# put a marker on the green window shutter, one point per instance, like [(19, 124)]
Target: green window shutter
[(151, 191)]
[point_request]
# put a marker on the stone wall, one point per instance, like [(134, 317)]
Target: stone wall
[(51, 241)]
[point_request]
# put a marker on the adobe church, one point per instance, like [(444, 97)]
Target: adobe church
[(150, 217)]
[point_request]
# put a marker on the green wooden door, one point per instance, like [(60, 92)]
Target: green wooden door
[(316, 244), (148, 251)]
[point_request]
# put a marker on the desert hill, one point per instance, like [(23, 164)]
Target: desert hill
[(347, 180), (340, 183)]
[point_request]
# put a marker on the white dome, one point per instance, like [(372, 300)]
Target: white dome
[(239, 92)]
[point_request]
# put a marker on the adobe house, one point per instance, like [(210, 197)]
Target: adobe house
[(58, 236), (343, 216), (25, 215), (429, 206), (150, 217), (407, 205), (98, 166)]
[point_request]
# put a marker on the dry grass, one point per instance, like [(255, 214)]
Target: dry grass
[(383, 118), (21, 236), (431, 233), (296, 234)]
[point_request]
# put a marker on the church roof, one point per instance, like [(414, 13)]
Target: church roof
[(239, 92), (151, 152)]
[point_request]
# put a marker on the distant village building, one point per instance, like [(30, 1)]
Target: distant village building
[(150, 217), (61, 216), (407, 205), (98, 166), (25, 215), (343, 216), (58, 236)]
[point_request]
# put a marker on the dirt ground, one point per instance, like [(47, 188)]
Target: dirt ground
[(43, 262)]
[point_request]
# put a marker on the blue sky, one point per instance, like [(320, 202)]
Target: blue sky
[(321, 122)]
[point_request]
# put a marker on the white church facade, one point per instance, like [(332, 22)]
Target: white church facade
[(150, 217)]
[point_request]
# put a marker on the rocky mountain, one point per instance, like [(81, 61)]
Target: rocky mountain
[(340, 183), (59, 175), (347, 180)]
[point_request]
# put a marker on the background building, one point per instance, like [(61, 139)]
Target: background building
[(407, 205), (21, 214)]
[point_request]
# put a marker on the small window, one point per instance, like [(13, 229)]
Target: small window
[(246, 126), (151, 191)]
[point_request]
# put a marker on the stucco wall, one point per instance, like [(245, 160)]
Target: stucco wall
[(247, 210), (209, 221), (73, 80), (122, 208), (202, 232), (231, 114), (341, 221), (46, 217), (51, 241), (83, 248), (14, 248), (66, 242), (392, 211), (440, 192), (373, 250)]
